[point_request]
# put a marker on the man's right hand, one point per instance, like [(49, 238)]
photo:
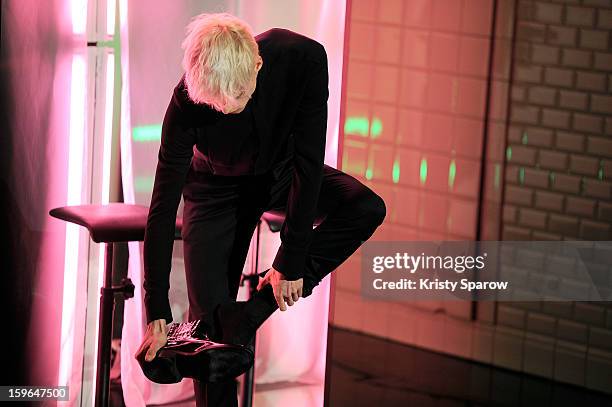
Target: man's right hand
[(154, 339), (286, 292)]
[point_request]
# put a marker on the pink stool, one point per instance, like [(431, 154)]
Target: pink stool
[(119, 222), (112, 223)]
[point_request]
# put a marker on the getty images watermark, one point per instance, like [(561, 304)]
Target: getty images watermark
[(487, 270)]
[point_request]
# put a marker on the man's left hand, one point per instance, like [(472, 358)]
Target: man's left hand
[(286, 292)]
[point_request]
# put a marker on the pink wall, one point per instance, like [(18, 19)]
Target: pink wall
[(413, 127)]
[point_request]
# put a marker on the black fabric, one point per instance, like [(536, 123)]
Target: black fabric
[(190, 352), (221, 394), (226, 190), (237, 322), (219, 219), (290, 101)]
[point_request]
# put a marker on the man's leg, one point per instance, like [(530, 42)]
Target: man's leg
[(352, 213), (218, 223)]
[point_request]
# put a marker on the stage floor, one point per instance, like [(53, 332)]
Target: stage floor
[(368, 371)]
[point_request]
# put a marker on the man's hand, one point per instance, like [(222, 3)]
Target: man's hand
[(285, 291), (154, 339)]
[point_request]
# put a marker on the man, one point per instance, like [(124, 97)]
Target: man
[(255, 108)]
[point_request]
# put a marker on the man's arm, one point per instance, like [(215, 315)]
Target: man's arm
[(310, 128), (174, 158)]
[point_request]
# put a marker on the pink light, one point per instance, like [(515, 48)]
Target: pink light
[(71, 254), (123, 10), (126, 131), (78, 11), (106, 162), (110, 16), (108, 126)]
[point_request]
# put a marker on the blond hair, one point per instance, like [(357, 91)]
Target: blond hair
[(219, 60)]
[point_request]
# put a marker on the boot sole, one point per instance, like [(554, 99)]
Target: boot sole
[(215, 364)]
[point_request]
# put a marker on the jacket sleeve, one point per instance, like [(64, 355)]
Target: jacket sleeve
[(309, 130), (174, 158)]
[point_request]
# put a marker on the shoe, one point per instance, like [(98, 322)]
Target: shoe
[(189, 352)]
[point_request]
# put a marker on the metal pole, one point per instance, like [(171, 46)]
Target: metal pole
[(105, 330)]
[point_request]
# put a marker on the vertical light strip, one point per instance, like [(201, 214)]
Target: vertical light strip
[(127, 172), (110, 17), (75, 177), (396, 169), (452, 173), (78, 13), (423, 171), (108, 126), (106, 166)]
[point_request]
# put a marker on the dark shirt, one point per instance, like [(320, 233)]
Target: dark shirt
[(229, 145), (288, 108)]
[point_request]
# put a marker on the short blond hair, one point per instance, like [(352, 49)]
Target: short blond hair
[(219, 60)]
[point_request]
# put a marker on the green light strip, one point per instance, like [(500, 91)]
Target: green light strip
[(423, 171), (360, 126), (143, 134), (452, 172), (376, 128), (396, 170), (357, 126)]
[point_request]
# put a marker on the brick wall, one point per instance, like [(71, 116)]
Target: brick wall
[(415, 71), (557, 182), (559, 153)]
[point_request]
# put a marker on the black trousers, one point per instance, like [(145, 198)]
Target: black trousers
[(219, 217)]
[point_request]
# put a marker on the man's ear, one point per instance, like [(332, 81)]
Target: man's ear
[(259, 62)]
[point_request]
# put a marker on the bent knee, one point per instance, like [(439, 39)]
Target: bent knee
[(372, 208), (378, 209)]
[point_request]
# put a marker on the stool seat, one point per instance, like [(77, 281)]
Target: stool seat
[(113, 222), (275, 218)]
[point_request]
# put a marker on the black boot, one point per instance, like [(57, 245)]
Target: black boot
[(189, 352), (237, 322)]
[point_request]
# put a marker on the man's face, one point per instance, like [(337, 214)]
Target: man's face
[(245, 95)]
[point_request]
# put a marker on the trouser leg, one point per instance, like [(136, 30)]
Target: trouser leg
[(222, 394), (218, 224), (352, 213)]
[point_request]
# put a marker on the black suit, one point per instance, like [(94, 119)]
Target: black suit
[(290, 97), (268, 156)]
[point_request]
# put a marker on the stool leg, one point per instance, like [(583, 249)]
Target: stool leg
[(105, 329), (249, 381), (248, 384)]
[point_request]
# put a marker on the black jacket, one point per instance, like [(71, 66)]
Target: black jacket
[(290, 99)]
